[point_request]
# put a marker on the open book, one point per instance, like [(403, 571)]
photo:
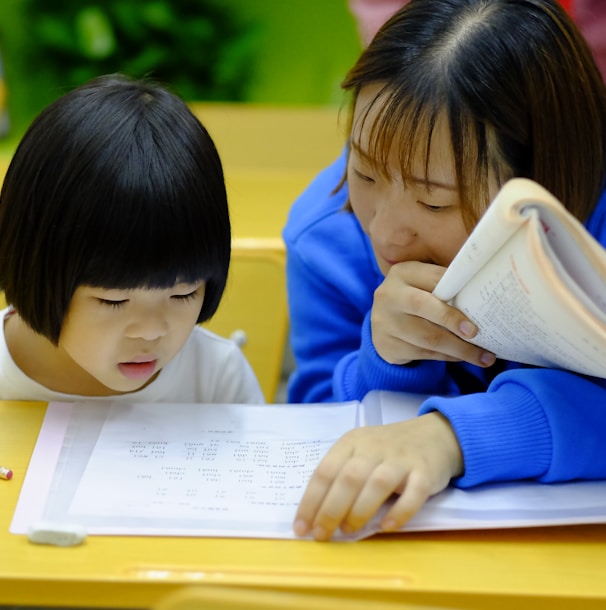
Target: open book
[(534, 281), (239, 471)]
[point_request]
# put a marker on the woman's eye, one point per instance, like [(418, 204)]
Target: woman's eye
[(432, 208), (362, 176)]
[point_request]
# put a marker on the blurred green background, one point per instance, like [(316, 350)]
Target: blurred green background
[(282, 52)]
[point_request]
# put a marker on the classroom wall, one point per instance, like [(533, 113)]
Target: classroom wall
[(305, 49)]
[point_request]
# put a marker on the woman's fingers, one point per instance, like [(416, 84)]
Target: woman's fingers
[(409, 323)]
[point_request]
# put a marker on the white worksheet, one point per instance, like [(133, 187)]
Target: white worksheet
[(150, 468), (240, 471)]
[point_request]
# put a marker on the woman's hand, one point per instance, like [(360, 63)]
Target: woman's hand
[(415, 459), (409, 323)]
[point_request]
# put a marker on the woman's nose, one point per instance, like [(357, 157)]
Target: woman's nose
[(391, 226)]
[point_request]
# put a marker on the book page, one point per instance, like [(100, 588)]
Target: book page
[(578, 259), (495, 228), (569, 244), (519, 318), (503, 505), (534, 282)]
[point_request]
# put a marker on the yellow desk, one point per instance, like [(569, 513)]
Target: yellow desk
[(551, 568)]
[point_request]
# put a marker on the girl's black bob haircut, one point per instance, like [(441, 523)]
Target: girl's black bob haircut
[(114, 185)]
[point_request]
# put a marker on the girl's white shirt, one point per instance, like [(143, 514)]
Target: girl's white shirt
[(208, 369)]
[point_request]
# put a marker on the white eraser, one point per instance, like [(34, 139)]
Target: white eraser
[(57, 534)]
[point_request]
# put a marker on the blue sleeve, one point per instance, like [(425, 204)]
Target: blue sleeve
[(327, 298), (541, 424), (324, 327), (364, 370)]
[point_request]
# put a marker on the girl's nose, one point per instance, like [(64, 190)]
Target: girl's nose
[(148, 325)]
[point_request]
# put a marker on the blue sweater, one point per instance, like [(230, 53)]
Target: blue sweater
[(512, 422)]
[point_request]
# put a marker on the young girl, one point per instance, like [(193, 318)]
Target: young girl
[(114, 245), (450, 100)]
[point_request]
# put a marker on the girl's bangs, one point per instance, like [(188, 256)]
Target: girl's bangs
[(155, 239)]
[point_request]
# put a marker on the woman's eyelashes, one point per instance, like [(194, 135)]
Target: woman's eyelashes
[(362, 176), (432, 208)]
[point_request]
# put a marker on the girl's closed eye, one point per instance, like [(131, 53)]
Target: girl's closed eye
[(189, 296), (113, 304)]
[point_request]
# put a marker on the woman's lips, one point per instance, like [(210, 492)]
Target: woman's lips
[(138, 370), (382, 256)]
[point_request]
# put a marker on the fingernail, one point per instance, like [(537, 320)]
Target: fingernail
[(467, 328), (389, 525), (487, 358), (300, 527), (319, 533)]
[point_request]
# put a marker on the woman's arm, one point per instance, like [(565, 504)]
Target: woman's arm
[(543, 424)]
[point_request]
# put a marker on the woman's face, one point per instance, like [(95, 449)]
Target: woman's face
[(413, 219)]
